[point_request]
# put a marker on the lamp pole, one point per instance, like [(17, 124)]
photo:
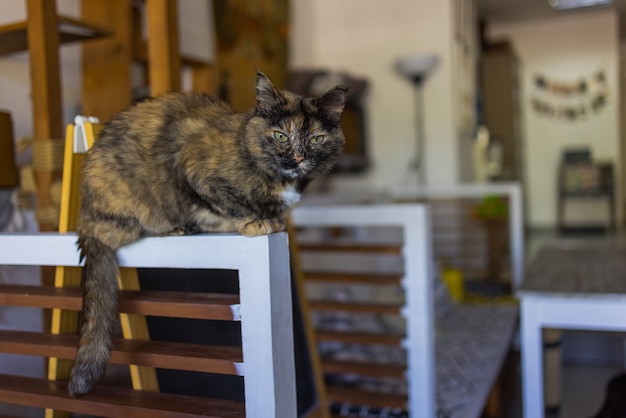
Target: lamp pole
[(420, 145), (415, 68)]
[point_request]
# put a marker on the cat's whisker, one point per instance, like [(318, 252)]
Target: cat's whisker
[(318, 174)]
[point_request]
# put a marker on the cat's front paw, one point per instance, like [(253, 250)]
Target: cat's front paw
[(176, 232), (261, 227)]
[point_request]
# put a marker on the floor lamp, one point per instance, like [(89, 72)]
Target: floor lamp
[(416, 68)]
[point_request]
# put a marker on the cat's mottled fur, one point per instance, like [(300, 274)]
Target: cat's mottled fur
[(186, 163)]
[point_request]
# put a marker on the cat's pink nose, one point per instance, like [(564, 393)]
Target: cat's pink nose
[(298, 158)]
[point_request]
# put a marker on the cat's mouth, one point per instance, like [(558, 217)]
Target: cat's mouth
[(294, 173), (292, 168)]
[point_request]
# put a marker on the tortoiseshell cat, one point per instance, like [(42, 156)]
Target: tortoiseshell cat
[(186, 163)]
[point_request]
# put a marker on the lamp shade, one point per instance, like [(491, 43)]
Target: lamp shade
[(416, 67)]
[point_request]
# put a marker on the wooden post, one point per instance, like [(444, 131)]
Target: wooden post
[(163, 49), (43, 46), (45, 80), (106, 63), (66, 322)]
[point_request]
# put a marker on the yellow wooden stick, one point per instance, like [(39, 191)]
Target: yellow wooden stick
[(66, 322)]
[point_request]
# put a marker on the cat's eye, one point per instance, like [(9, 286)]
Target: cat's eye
[(280, 137), (316, 139)]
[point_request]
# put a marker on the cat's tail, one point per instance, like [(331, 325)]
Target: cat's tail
[(100, 296)]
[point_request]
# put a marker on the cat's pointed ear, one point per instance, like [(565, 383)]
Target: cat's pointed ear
[(267, 97), (333, 102)]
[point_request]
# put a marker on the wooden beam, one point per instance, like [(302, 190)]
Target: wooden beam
[(45, 85), (106, 63), (163, 47), (43, 45)]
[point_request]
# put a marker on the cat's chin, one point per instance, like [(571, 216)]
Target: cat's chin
[(293, 173)]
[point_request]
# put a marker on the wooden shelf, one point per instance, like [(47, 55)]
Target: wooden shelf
[(14, 36)]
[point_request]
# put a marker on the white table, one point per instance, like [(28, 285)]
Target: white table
[(569, 285)]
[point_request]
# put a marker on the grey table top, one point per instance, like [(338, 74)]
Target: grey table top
[(578, 268)]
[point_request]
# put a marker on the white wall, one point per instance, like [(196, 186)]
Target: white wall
[(564, 48), (364, 38)]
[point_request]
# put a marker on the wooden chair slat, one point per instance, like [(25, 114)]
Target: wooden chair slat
[(360, 338), (355, 307), (352, 247), (167, 355), (109, 401), (362, 397), (374, 279), (364, 369), (145, 302)]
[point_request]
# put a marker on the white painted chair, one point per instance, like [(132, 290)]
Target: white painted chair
[(383, 267), (415, 276), (266, 357)]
